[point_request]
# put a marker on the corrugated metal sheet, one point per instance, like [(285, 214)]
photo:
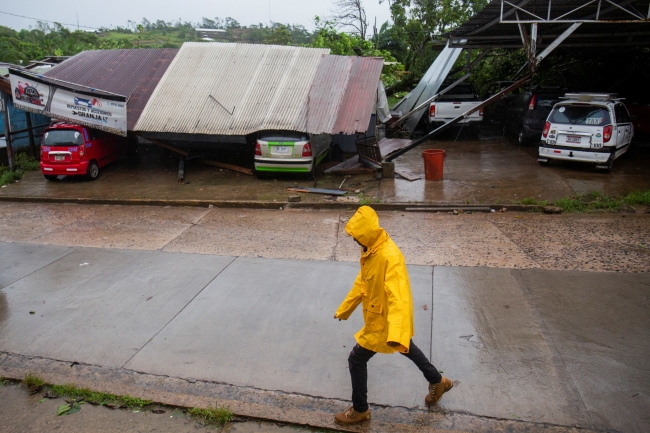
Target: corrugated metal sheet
[(360, 96), (133, 73), (237, 89)]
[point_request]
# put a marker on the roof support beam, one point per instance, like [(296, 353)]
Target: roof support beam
[(441, 128), (557, 42), (508, 8)]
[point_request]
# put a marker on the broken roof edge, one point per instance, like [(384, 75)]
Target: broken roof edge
[(345, 101)]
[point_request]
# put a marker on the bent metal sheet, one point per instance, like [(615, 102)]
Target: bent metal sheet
[(103, 111)]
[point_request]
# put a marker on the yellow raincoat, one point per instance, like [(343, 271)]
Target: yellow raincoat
[(382, 287)]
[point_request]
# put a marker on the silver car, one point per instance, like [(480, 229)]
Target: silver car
[(289, 152), (587, 127)]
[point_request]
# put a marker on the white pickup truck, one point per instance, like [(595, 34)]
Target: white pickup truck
[(454, 103)]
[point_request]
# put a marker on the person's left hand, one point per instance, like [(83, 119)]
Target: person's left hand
[(392, 343)]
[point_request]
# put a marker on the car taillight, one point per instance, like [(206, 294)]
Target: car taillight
[(258, 149), (82, 151), (480, 112), (607, 133), (547, 126), (531, 106), (306, 150), (432, 111)]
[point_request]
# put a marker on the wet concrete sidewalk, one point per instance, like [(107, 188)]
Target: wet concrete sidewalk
[(560, 347), (494, 172)]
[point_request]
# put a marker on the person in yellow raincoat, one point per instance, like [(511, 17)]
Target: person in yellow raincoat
[(383, 289)]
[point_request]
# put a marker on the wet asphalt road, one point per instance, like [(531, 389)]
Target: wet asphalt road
[(535, 317)]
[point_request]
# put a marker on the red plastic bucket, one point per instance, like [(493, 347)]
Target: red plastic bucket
[(433, 162)]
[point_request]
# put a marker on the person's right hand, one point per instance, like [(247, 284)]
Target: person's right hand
[(336, 317)]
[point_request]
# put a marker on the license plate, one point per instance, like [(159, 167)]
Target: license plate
[(573, 139), (59, 157), (281, 149)]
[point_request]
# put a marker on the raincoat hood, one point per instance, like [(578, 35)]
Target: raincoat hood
[(364, 226)]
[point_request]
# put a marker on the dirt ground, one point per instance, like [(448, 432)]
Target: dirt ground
[(583, 242)]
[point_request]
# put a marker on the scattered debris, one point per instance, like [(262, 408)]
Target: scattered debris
[(294, 198), (466, 337), (158, 411), (447, 209), (318, 191), (68, 408), (503, 210), (425, 307), (344, 179), (408, 176), (32, 312), (552, 209), (349, 199)]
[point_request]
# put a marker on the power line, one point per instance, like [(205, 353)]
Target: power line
[(46, 21)]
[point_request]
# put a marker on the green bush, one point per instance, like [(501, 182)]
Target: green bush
[(22, 164)]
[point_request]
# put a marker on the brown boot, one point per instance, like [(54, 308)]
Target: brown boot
[(351, 416), (436, 390)]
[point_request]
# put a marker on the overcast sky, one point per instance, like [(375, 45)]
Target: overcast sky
[(117, 12)]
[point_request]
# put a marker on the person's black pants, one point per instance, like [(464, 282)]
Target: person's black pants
[(358, 363)]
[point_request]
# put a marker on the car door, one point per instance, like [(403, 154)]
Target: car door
[(622, 125)]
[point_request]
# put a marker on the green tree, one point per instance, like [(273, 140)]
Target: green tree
[(278, 35)]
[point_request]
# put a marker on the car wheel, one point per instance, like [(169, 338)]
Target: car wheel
[(260, 174), (610, 164), (50, 177), (545, 163), (521, 137), (312, 173), (93, 171)]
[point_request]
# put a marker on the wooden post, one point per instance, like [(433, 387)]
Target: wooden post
[(30, 132), (5, 114)]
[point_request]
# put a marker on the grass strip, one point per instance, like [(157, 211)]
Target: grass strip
[(215, 416), (594, 201), (99, 398)]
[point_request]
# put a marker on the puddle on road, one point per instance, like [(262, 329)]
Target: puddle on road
[(22, 412)]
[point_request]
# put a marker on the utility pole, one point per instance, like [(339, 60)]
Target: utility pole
[(5, 116)]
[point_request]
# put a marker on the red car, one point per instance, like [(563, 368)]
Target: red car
[(25, 92), (69, 149)]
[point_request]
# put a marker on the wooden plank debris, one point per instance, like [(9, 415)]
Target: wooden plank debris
[(408, 176), (202, 160), (318, 191)]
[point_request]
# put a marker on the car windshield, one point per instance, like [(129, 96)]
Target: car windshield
[(63, 137), (580, 115), (460, 92), (546, 102), (283, 136)]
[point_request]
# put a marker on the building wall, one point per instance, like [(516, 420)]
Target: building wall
[(18, 121)]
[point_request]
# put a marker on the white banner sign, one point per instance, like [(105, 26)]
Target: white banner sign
[(96, 110)]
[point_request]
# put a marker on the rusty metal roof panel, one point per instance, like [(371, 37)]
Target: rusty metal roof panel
[(233, 89), (360, 95), (131, 72), (326, 93)]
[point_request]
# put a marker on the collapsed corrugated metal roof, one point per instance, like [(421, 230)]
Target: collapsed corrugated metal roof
[(237, 89), (133, 73)]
